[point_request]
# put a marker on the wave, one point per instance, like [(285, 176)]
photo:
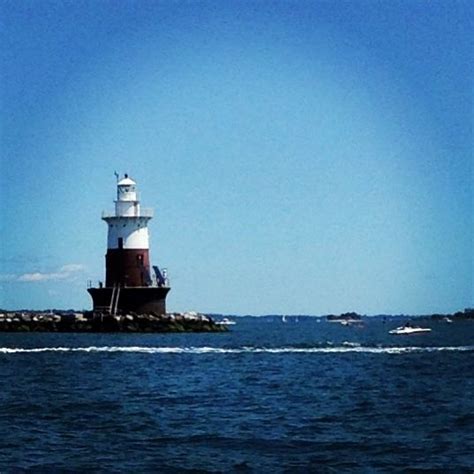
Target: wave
[(345, 348)]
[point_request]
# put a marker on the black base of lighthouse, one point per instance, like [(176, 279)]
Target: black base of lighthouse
[(140, 300)]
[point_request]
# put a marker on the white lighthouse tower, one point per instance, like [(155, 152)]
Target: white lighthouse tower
[(127, 259), (129, 285)]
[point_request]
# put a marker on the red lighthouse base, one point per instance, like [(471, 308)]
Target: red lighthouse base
[(138, 299)]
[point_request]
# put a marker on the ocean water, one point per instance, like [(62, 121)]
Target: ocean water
[(301, 396)]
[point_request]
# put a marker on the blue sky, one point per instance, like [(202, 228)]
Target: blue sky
[(301, 157)]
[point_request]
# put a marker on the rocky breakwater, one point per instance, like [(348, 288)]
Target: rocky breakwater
[(57, 321)]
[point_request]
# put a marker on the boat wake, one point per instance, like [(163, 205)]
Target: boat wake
[(344, 348)]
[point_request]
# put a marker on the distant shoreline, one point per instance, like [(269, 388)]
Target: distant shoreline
[(467, 313), (93, 322)]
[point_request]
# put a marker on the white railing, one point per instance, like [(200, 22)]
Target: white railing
[(144, 212)]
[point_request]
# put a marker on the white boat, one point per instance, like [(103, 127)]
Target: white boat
[(225, 322), (345, 320), (408, 329), (350, 322)]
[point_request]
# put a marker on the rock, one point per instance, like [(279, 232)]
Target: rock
[(98, 322)]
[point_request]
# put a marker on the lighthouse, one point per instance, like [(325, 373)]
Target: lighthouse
[(130, 285)]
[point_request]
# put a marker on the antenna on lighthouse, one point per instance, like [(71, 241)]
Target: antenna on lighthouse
[(116, 176)]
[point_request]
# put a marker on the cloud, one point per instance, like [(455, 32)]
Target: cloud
[(64, 273), (72, 268), (42, 276)]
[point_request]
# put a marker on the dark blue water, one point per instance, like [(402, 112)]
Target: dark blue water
[(266, 397)]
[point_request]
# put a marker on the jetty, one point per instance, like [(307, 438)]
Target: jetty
[(93, 322)]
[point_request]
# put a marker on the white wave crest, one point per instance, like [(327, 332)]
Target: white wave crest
[(345, 348)]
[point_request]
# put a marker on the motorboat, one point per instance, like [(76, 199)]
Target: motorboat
[(408, 329), (351, 322), (225, 322)]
